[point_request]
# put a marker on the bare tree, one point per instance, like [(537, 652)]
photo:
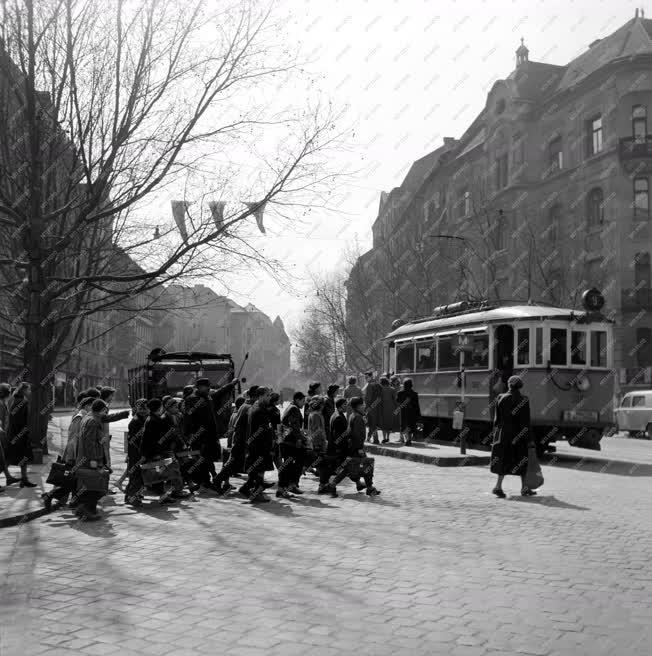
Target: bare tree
[(106, 109)]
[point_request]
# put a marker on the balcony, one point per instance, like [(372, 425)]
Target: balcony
[(635, 300), (632, 151)]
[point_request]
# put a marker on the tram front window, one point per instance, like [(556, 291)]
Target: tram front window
[(598, 348), (558, 351), (578, 348)]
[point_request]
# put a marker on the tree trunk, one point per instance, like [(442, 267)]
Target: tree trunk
[(38, 373)]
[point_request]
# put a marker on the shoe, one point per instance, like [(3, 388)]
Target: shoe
[(135, 503), (526, 492), (193, 487), (499, 493), (47, 501), (261, 498), (11, 480), (372, 492), (360, 486), (283, 494), (376, 441), (244, 491), (295, 489), (408, 442), (86, 515), (26, 483), (164, 501), (180, 495), (226, 488)]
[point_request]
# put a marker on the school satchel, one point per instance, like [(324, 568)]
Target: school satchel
[(358, 467), (533, 473), (92, 480), (60, 474), (160, 471)]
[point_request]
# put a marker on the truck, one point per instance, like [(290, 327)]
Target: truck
[(168, 373)]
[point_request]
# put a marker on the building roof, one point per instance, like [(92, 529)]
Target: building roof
[(470, 319), (534, 80), (632, 38)]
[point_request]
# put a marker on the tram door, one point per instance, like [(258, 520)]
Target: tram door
[(503, 355)]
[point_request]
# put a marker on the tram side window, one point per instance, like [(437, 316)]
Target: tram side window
[(558, 352), (538, 346), (426, 356), (480, 354), (578, 347), (404, 358), (523, 346), (638, 401), (449, 357), (598, 348)]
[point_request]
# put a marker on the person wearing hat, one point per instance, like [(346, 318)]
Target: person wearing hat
[(512, 437), (350, 392), (372, 400), (328, 409), (203, 425), (90, 454), (292, 447), (135, 429), (410, 411), (236, 462)]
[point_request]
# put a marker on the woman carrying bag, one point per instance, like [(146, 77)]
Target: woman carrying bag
[(513, 445)]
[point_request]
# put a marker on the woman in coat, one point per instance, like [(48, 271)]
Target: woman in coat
[(408, 402), (389, 414), (18, 446), (512, 437), (317, 438)]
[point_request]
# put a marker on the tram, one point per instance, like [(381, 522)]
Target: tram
[(461, 358)]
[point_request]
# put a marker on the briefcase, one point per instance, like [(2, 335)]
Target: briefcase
[(60, 475), (359, 466), (92, 480), (187, 456), (160, 471)]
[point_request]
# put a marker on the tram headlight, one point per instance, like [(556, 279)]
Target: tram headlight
[(582, 383)]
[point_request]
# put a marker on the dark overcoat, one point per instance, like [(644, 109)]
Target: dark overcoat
[(389, 413), (201, 426), (260, 439), (512, 434), (410, 410), (18, 447)]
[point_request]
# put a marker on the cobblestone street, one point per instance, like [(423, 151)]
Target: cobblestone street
[(435, 565)]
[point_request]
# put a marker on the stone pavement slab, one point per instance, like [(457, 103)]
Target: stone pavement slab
[(435, 565)]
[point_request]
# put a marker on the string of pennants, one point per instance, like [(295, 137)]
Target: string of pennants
[(180, 209)]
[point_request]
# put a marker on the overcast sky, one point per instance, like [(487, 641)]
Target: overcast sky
[(407, 74)]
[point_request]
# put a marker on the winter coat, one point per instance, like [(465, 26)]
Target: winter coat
[(408, 402), (338, 438), (222, 399), (512, 434), (372, 401), (357, 432), (292, 421), (18, 447), (89, 444), (317, 431), (159, 438), (135, 429), (74, 431), (260, 438), (389, 415), (201, 425)]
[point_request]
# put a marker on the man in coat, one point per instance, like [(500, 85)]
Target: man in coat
[(203, 425), (372, 401), (292, 447), (260, 446), (408, 403), (235, 463)]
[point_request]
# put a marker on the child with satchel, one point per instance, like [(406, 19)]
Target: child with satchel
[(92, 474)]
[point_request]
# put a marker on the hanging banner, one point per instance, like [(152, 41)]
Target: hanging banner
[(258, 213), (179, 208), (217, 210)]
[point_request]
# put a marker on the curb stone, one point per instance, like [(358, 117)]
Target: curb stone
[(439, 461)]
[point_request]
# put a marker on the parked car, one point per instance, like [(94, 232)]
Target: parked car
[(634, 415)]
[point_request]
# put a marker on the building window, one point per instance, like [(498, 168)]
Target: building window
[(595, 207), (641, 198), (594, 135), (639, 123), (554, 218), (643, 339), (555, 155), (502, 171)]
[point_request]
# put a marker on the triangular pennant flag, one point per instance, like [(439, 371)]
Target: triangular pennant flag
[(179, 208), (258, 210), (217, 210)]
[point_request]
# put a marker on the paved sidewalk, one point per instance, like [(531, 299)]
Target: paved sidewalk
[(430, 454)]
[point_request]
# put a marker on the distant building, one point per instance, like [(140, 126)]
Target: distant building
[(546, 193)]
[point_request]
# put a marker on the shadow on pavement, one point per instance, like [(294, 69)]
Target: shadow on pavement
[(550, 501), (601, 465), (361, 496), (102, 528)]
